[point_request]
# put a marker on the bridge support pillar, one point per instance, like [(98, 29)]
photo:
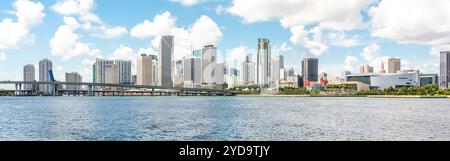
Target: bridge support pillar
[(90, 90), (15, 90), (20, 90)]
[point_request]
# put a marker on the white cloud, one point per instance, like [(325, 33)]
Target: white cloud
[(2, 56), (65, 43), (314, 46), (126, 53), (319, 15), (110, 32), (341, 39), (412, 21), (371, 52), (162, 24), (13, 34), (238, 54), (203, 32), (350, 63), (436, 50), (91, 22), (283, 48), (187, 2), (336, 14)]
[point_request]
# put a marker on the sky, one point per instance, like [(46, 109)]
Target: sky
[(343, 34)]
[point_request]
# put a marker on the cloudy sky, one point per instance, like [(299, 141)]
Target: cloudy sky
[(344, 34)]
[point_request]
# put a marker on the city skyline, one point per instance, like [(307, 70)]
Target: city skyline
[(94, 29)]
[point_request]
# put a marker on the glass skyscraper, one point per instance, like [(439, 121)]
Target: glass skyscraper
[(445, 70), (166, 65), (263, 63)]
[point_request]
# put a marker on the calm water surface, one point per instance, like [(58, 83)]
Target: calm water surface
[(223, 118)]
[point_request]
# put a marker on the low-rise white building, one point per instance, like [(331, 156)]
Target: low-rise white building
[(406, 78)]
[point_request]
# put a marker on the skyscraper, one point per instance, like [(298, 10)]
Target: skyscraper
[(73, 77), (310, 69), (166, 65), (248, 71), (263, 62), (394, 65), (366, 69), (45, 66), (382, 70), (99, 71), (277, 65), (94, 73), (209, 61), (29, 76), (145, 70), (178, 76), (192, 72), (124, 71), (444, 70), (112, 74), (220, 75)]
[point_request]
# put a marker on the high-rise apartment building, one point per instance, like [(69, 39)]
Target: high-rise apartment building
[(394, 65), (209, 62), (248, 71), (45, 68), (263, 62), (124, 71), (112, 74), (73, 77), (100, 71), (366, 69), (145, 70), (29, 76)]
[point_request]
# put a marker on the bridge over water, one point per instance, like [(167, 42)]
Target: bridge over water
[(104, 89)]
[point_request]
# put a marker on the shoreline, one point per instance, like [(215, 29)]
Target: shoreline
[(369, 96)]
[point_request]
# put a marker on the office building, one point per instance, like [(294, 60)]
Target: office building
[(94, 73), (444, 70), (145, 70), (365, 69), (29, 76), (73, 77), (394, 65), (277, 65), (197, 53), (248, 71), (220, 75), (310, 70), (133, 79), (166, 64), (192, 72), (124, 71), (427, 79), (178, 76), (263, 63), (209, 62), (291, 72), (382, 69), (45, 68)]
